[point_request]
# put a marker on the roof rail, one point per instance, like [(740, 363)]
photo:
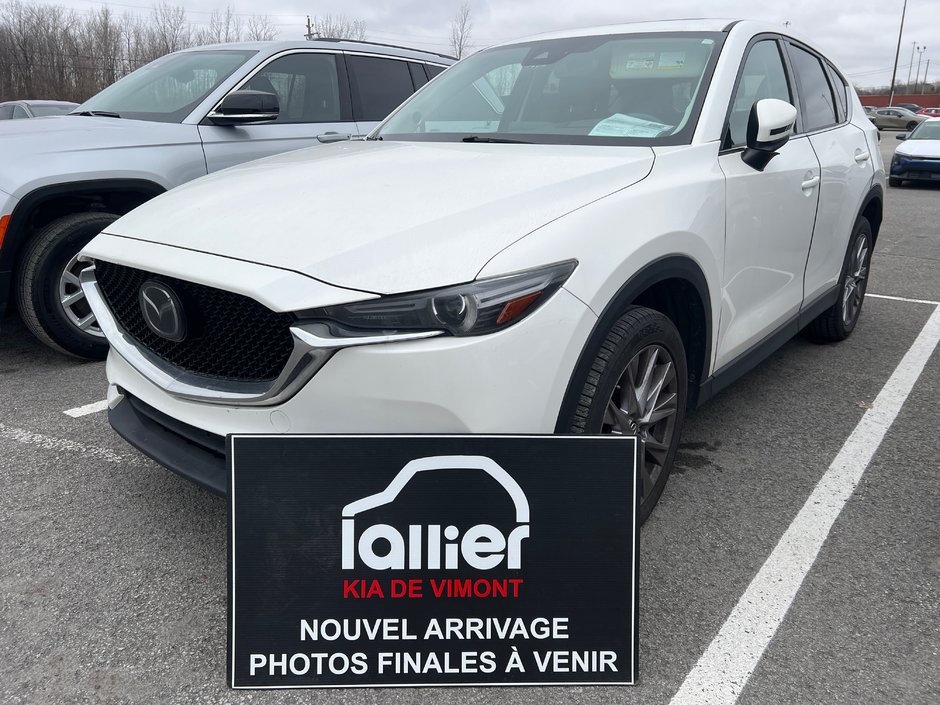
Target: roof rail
[(380, 44)]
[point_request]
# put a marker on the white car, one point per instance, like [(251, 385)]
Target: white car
[(583, 232)]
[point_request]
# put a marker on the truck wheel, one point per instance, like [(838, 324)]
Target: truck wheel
[(637, 384), (50, 299), (838, 322)]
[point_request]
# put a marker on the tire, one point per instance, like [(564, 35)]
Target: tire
[(894, 181), (642, 339), (48, 296), (838, 322), (911, 125)]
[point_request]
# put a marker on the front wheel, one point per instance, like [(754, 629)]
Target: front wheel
[(838, 322), (894, 181), (50, 298), (637, 385)]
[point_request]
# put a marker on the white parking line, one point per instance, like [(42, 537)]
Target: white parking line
[(62, 445), (92, 408), (723, 670), (901, 298)]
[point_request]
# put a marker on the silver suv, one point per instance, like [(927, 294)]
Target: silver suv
[(184, 115)]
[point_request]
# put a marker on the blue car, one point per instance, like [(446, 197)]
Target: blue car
[(918, 159)]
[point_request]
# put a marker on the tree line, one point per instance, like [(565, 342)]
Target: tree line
[(52, 52)]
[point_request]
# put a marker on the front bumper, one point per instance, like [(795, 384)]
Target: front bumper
[(512, 381), (916, 169)]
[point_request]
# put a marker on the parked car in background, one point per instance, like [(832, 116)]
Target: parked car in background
[(22, 109), (918, 158), (583, 232), (913, 107), (179, 117), (929, 112), (897, 118)]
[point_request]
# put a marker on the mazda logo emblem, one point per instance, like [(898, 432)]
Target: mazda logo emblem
[(162, 310)]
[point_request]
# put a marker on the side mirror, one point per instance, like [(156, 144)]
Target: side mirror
[(245, 107), (901, 137), (768, 128)]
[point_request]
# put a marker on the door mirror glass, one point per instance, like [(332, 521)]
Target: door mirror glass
[(246, 107), (769, 127)]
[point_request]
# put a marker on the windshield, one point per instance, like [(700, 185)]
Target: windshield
[(168, 89), (47, 110), (622, 89), (926, 131)]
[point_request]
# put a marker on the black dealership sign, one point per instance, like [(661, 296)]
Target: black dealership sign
[(432, 560)]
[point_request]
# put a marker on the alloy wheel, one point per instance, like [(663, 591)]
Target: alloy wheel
[(73, 302), (856, 278), (644, 402)]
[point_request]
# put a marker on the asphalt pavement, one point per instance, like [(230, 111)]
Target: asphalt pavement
[(113, 570)]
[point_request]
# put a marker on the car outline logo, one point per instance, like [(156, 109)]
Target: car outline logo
[(511, 544)]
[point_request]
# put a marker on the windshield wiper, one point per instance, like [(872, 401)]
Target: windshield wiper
[(495, 140), (96, 113)]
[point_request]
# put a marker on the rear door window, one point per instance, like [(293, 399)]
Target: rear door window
[(378, 85)]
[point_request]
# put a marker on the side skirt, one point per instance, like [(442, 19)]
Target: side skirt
[(747, 361)]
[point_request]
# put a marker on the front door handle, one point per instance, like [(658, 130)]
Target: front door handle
[(810, 183), (327, 137), (862, 157)]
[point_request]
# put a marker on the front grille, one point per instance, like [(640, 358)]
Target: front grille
[(231, 337)]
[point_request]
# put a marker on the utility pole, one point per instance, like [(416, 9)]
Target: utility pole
[(926, 71), (920, 55), (897, 54), (309, 35)]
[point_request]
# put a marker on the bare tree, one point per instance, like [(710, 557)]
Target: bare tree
[(48, 51), (223, 27), (461, 28), (259, 29), (335, 27)]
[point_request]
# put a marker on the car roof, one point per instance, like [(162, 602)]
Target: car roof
[(678, 25), (275, 47)]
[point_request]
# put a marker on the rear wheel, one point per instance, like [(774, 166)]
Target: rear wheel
[(50, 298), (637, 385), (838, 322), (911, 125)]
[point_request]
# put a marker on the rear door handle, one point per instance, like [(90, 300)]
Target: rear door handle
[(326, 137), (810, 183), (862, 157)]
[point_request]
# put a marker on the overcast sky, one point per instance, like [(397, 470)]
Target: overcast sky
[(860, 35)]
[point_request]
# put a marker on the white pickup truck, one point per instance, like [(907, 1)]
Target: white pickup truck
[(63, 179)]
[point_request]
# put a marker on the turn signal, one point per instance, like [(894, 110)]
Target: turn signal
[(4, 222), (514, 309)]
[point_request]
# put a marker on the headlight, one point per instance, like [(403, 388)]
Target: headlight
[(475, 308)]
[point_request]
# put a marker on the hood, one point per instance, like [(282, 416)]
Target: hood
[(385, 217), (920, 148), (58, 145)]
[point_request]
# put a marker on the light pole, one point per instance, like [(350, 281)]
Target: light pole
[(911, 66), (897, 54), (920, 55)]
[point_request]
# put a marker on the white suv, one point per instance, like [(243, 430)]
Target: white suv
[(583, 232)]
